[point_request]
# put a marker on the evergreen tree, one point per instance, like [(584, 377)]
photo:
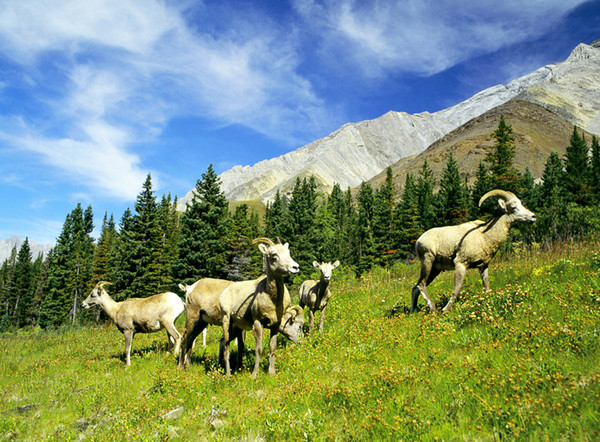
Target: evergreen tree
[(482, 185), (366, 244), (552, 199), (504, 175), (277, 218), (595, 168), (23, 287), (452, 196), (123, 264), (425, 197), (103, 250), (409, 217), (338, 210), (245, 260), (578, 170), (302, 210), (168, 218), (205, 226), (70, 269), (383, 219), (7, 298)]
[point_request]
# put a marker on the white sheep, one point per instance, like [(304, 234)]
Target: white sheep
[(201, 308), (469, 245), (262, 303), (140, 315), (316, 294)]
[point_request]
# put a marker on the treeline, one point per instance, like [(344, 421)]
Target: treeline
[(154, 248)]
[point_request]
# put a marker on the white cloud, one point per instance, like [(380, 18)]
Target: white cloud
[(424, 37), (109, 74)]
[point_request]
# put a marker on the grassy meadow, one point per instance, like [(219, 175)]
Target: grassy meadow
[(519, 363)]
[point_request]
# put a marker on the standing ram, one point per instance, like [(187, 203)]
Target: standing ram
[(262, 303), (469, 245), (140, 315), (316, 294)]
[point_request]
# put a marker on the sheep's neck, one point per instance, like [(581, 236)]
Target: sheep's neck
[(497, 231), (322, 288), (276, 290), (109, 305)]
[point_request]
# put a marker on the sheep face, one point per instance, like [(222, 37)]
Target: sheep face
[(517, 210), (292, 324), (278, 259), (326, 269), (93, 298)]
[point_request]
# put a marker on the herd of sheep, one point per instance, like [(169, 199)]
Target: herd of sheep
[(265, 303)]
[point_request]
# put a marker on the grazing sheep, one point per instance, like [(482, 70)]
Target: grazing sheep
[(469, 245), (140, 315), (201, 308), (262, 303), (316, 294)]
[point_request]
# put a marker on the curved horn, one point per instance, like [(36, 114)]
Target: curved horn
[(504, 194), (263, 240), (103, 283), (296, 308)]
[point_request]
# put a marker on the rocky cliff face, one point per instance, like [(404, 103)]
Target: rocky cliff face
[(7, 245), (358, 151)]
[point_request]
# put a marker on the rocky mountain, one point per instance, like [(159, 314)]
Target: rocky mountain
[(7, 245), (537, 131), (358, 151)]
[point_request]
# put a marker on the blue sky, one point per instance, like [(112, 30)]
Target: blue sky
[(96, 94)]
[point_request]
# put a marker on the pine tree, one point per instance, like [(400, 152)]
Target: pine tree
[(503, 174), (123, 265), (578, 170), (409, 217), (337, 208), (482, 185), (552, 198), (70, 269), (23, 279), (245, 261), (7, 281), (103, 250), (425, 197), (452, 196), (302, 209), (383, 219), (168, 219), (205, 227), (277, 218), (366, 244), (595, 166)]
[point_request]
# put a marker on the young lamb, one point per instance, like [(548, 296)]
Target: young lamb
[(201, 308), (316, 294), (140, 315), (469, 245), (262, 303)]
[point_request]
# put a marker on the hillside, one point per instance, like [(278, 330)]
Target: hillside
[(359, 151), (537, 132)]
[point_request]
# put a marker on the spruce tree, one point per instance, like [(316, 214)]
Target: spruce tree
[(245, 261), (503, 174), (124, 264), (578, 170), (383, 218), (452, 196), (302, 210), (482, 185), (204, 233), (425, 196), (168, 219), (595, 166), (23, 287), (104, 249), (277, 218), (409, 217), (366, 244), (337, 208), (552, 198), (7, 281)]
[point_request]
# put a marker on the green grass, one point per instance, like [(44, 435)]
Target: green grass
[(519, 363)]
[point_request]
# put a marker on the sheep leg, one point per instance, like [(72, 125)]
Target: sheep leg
[(427, 275), (258, 336), (128, 339), (485, 278), (311, 320), (272, 350), (322, 319), (241, 341), (204, 337), (187, 342), (224, 347), (460, 271), (173, 335)]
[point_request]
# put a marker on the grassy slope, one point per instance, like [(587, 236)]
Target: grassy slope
[(520, 362)]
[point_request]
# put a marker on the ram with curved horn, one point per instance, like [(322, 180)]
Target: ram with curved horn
[(469, 245)]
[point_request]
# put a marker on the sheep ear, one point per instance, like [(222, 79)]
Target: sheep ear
[(286, 245), (183, 287), (315, 264), (263, 248), (502, 204), (336, 263)]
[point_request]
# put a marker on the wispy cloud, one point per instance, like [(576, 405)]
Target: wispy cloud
[(108, 74), (424, 37)]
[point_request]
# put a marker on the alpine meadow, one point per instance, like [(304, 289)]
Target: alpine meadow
[(517, 362)]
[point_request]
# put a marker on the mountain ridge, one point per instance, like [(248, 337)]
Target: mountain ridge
[(357, 152)]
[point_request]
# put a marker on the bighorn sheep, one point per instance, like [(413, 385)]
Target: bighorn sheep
[(201, 308), (140, 315), (469, 245), (316, 294), (262, 303)]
